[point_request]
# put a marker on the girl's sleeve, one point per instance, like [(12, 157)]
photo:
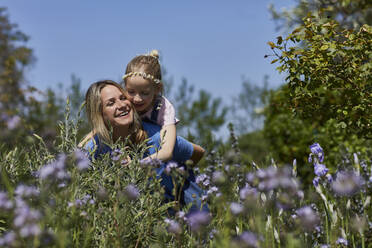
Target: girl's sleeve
[(167, 113)]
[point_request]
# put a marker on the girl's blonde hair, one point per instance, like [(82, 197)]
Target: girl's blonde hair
[(146, 65), (94, 110)]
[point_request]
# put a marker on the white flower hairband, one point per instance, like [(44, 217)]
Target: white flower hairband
[(142, 74)]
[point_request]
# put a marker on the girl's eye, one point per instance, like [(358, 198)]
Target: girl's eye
[(109, 103), (145, 93), (123, 98), (131, 92)]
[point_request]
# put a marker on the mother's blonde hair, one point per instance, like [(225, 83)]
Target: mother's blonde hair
[(94, 110)]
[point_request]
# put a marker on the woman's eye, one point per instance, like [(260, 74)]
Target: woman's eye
[(145, 93), (131, 92), (109, 103), (123, 98)]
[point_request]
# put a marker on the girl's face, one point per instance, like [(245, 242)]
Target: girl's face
[(141, 92), (116, 108)]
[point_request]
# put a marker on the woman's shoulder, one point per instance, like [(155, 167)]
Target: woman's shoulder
[(150, 128)]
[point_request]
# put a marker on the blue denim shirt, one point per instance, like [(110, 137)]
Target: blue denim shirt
[(191, 192)]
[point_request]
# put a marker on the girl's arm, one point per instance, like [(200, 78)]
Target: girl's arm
[(168, 139), (197, 154)]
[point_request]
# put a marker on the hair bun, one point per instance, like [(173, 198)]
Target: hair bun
[(154, 53)]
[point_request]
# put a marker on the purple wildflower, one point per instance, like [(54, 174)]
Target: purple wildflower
[(197, 220), (150, 162), (200, 178), (347, 183), (26, 219), (342, 241), (55, 170), (236, 208), (26, 191), (218, 177), (307, 217), (13, 122), (212, 190), (248, 192), (116, 154), (248, 239), (316, 181), (8, 239), (317, 150), (83, 162), (320, 169), (173, 226), (329, 178), (131, 192), (181, 215), (170, 166), (5, 203)]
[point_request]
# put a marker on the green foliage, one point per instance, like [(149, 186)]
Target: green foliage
[(14, 58), (247, 107), (327, 97), (330, 75), (91, 207), (349, 13), (198, 116)]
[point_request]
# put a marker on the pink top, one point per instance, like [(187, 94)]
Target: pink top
[(166, 114)]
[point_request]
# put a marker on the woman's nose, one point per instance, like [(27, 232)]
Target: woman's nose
[(122, 104)]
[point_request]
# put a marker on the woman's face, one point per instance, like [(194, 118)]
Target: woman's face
[(116, 108)]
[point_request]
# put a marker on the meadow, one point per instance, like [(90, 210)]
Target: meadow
[(62, 199)]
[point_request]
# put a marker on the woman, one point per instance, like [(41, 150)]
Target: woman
[(106, 107)]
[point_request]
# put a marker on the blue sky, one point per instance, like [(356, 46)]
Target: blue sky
[(212, 43)]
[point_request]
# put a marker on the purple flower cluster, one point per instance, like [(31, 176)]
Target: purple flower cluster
[(12, 122), (347, 183), (82, 160), (151, 162), (8, 239), (307, 217), (273, 178), (341, 241), (170, 167), (78, 203), (116, 154), (198, 219), (247, 192), (173, 226), (131, 192), (320, 170), (26, 191), (236, 208), (317, 152), (247, 240), (5, 203), (55, 171), (26, 219)]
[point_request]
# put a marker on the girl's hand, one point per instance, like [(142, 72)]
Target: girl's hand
[(125, 162)]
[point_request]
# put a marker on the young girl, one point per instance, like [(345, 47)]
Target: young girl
[(143, 87)]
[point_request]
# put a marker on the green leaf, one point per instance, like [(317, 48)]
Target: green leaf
[(324, 47)]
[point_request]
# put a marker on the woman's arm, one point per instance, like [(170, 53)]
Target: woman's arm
[(168, 139)]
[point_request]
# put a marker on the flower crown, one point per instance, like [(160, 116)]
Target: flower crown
[(142, 74)]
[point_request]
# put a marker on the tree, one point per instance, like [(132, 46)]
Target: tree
[(327, 98), (329, 75), (14, 58), (200, 116), (349, 13)]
